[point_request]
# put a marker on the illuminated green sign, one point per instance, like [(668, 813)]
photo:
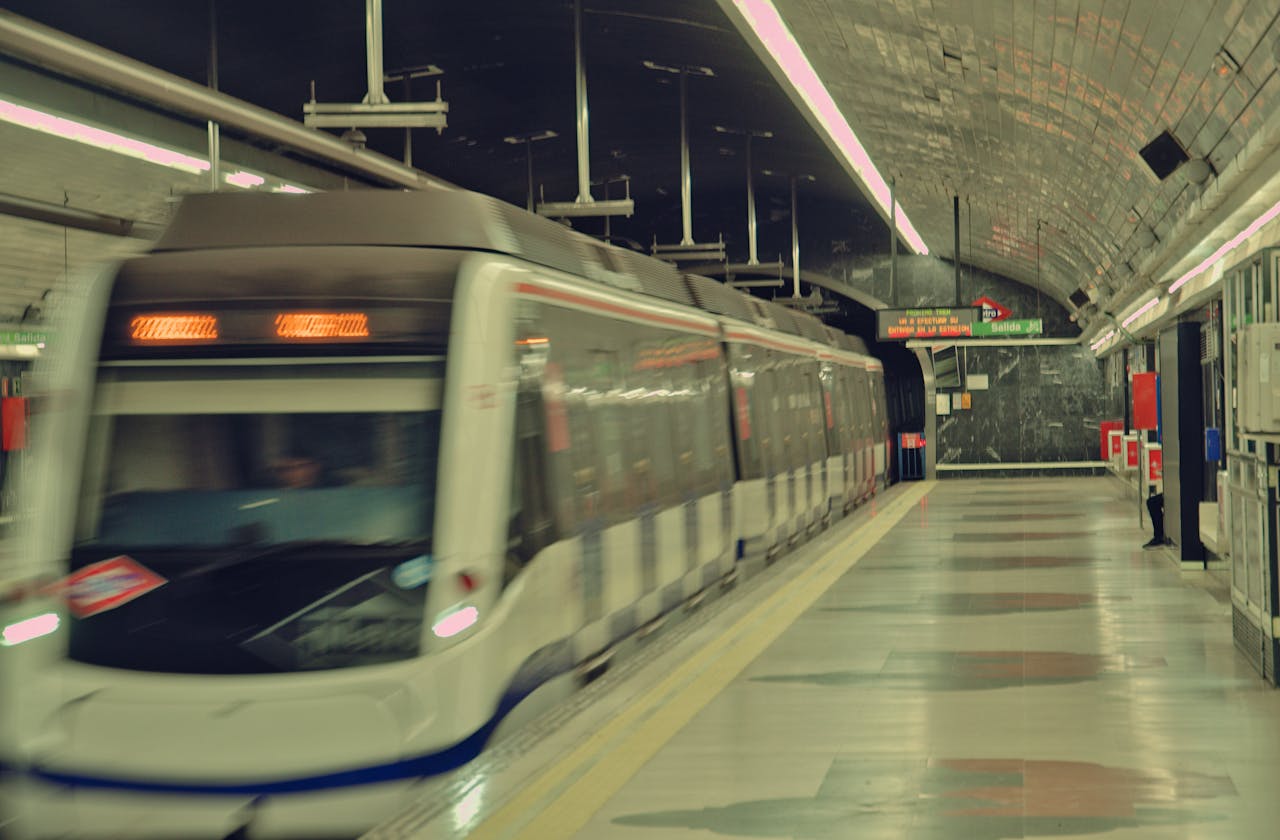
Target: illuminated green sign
[(11, 337), (1024, 326)]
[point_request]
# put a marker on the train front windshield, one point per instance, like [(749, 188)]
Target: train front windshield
[(252, 518)]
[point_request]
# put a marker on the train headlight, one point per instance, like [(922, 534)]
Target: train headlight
[(31, 628), (453, 621)]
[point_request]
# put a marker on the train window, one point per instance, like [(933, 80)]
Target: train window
[(816, 423), (846, 409), (714, 373), (861, 407), (531, 522), (786, 382), (705, 426), (744, 397), (277, 513), (658, 464), (773, 450), (607, 422), (682, 384)]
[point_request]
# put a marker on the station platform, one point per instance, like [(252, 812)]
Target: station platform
[(979, 659)]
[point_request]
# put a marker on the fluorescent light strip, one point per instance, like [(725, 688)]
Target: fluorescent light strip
[(777, 38), (1229, 245), (1145, 308), (244, 179), (1102, 340), (99, 138)]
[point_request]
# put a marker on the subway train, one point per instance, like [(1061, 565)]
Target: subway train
[(328, 484)]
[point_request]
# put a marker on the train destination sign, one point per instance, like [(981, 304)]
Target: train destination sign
[(927, 322)]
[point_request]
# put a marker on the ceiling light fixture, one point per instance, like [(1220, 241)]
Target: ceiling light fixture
[(794, 67), (1110, 335), (79, 132), (100, 138), (244, 180), (1140, 311), (1229, 245)]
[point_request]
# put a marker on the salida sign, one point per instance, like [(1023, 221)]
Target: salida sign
[(992, 311)]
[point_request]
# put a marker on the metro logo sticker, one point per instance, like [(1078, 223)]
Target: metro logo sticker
[(992, 311), (106, 585)]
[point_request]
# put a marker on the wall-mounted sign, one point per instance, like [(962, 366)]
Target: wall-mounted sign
[(36, 337), (992, 311), (926, 322), (1020, 326)]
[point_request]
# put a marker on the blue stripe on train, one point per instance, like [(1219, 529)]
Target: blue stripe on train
[(543, 665)]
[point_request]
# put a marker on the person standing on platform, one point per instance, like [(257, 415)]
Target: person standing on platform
[(1155, 507)]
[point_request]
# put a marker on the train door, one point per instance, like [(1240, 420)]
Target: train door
[(817, 503), (684, 394), (718, 500), (862, 431), (833, 420), (773, 448), (846, 432)]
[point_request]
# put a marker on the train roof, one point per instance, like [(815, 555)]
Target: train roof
[(462, 220)]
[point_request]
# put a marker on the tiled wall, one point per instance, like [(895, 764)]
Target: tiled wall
[(1042, 404)]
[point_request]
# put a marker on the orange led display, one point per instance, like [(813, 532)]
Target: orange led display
[(322, 325), (174, 328)]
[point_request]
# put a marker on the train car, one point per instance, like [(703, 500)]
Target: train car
[(335, 481)]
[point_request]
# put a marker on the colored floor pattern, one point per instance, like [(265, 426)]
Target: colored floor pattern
[(1006, 663)]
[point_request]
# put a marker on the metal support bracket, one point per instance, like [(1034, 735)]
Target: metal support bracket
[(691, 252), (579, 209), (375, 111)]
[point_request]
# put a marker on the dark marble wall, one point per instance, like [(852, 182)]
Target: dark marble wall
[(1043, 404)]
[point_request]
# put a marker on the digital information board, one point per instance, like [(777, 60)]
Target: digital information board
[(927, 322)]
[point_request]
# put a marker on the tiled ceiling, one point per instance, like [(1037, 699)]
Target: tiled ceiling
[(34, 256), (1033, 112)]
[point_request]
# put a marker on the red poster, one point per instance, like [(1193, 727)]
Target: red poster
[(13, 422), (1105, 427), (1131, 454), (1144, 401), (1155, 465)]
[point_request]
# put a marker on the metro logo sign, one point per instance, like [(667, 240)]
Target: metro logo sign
[(992, 311), (106, 585)]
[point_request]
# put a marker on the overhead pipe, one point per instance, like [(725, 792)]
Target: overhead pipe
[(795, 243), (70, 217), (686, 178), (893, 242), (753, 257), (373, 52), (580, 78), (955, 213), (215, 133), (57, 51)]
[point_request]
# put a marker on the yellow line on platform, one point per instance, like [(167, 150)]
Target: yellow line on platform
[(674, 701)]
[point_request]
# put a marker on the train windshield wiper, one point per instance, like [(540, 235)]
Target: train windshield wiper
[(380, 552)]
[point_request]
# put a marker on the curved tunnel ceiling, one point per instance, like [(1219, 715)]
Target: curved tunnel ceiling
[(1034, 114)]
